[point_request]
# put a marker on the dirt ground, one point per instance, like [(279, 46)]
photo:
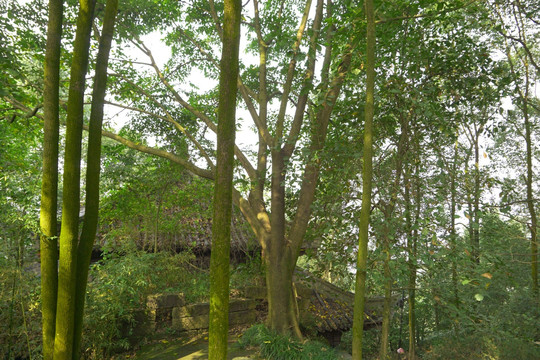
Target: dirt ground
[(188, 349)]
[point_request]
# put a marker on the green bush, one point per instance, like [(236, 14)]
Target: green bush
[(20, 316), (485, 345), (370, 342), (119, 287), (274, 346)]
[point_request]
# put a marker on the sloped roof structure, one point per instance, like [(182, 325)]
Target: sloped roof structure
[(331, 308), (197, 233)]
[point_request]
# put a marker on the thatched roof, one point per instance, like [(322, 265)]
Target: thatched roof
[(196, 233), (331, 308), (185, 231)]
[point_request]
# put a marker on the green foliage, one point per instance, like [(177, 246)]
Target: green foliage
[(249, 272), (486, 345), (146, 200), (20, 317), (370, 342), (274, 346), (119, 286)]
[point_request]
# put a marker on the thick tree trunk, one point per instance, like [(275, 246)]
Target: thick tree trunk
[(222, 204), (282, 316), (49, 187)]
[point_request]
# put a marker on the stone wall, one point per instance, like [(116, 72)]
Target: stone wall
[(196, 316), (169, 312)]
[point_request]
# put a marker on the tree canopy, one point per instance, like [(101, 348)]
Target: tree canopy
[(445, 175)]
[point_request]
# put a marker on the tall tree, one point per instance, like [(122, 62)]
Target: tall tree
[(93, 168), (222, 203), (516, 24), (363, 234), (69, 232), (280, 135), (68, 286), (49, 188)]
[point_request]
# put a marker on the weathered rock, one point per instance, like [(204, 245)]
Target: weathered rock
[(167, 300), (202, 321), (255, 292)]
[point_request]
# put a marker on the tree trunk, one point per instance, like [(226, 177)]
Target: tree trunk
[(412, 238), (367, 175), (281, 301), (387, 304), (453, 235), (386, 236), (67, 272), (222, 204), (530, 200), (49, 187), (88, 234), (476, 211)]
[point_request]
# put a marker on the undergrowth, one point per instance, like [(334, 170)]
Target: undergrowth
[(120, 285), (273, 346)]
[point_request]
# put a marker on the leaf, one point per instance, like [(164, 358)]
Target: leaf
[(487, 275), (465, 282), (479, 297)]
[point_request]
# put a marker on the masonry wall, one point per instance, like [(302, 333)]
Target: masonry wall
[(169, 312)]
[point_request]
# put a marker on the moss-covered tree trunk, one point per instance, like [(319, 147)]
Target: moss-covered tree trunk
[(49, 187), (367, 175), (65, 291), (69, 234), (93, 167), (222, 204)]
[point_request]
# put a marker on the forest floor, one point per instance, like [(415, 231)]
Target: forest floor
[(188, 349), (194, 349)]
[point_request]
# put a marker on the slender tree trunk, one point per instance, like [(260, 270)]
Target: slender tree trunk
[(470, 209), (156, 226), (63, 342), (367, 175), (386, 235), (88, 234), (476, 211), (49, 188), (530, 201), (386, 315), (222, 204), (412, 235), (453, 235)]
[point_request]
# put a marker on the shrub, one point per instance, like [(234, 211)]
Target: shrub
[(20, 316), (120, 286), (274, 346), (370, 342), (481, 345)]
